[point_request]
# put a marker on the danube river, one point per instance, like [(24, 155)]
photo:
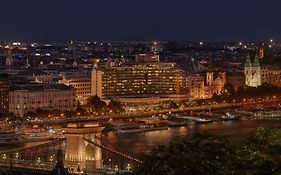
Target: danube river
[(135, 144), (143, 142), (79, 153)]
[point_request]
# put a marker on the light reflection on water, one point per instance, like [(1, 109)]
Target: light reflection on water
[(139, 142), (77, 151)]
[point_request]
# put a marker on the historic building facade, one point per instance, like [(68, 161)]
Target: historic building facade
[(252, 73), (30, 97), (271, 75)]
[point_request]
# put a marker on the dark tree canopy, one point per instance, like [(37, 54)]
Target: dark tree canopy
[(208, 154), (115, 106), (96, 103)]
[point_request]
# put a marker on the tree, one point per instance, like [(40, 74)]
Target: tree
[(2, 115), (209, 154), (96, 103), (30, 115), (228, 90), (80, 110), (115, 106), (41, 113)]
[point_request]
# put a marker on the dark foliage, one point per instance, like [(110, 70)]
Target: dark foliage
[(207, 154)]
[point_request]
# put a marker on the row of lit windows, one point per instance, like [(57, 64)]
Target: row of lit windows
[(42, 95)]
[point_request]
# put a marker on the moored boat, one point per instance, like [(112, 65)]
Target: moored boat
[(230, 116), (135, 128), (11, 136)]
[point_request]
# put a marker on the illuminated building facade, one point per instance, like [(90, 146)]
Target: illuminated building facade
[(205, 86), (271, 75), (196, 86), (214, 83), (4, 95), (82, 84), (138, 80), (252, 72), (30, 97)]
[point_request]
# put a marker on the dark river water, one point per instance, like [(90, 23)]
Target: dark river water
[(88, 157), (236, 131)]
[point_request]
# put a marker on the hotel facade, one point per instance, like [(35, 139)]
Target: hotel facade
[(138, 80)]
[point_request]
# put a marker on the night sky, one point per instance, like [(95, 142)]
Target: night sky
[(171, 20)]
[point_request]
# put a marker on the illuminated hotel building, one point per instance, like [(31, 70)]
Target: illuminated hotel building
[(138, 80)]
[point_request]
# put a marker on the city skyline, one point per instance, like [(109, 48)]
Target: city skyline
[(62, 21), (140, 87)]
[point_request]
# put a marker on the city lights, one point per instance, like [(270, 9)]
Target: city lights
[(155, 88)]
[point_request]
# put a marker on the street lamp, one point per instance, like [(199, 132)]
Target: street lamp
[(51, 159), (128, 167), (38, 160), (17, 156), (110, 163), (4, 156)]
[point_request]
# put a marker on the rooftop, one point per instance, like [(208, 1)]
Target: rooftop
[(40, 87)]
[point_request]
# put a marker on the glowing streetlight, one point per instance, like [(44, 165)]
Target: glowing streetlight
[(128, 167), (51, 159), (4, 156), (38, 160), (17, 156)]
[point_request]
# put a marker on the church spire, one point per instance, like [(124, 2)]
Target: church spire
[(256, 61), (9, 58), (248, 61), (27, 63)]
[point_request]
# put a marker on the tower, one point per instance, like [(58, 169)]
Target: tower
[(27, 63), (96, 80), (248, 71), (74, 64), (9, 58), (256, 72), (252, 72)]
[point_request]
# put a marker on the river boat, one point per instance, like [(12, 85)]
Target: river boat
[(138, 128), (229, 116), (11, 136)]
